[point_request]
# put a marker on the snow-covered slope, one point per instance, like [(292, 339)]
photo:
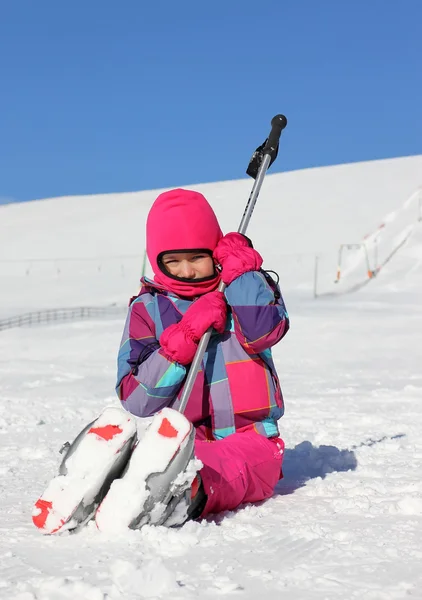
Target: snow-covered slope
[(89, 249), (346, 520)]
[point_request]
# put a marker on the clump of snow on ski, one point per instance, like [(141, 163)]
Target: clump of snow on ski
[(183, 480)]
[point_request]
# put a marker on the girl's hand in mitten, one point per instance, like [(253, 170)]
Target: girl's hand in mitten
[(236, 257), (179, 341)]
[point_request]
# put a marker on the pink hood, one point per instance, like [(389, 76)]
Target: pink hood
[(181, 220)]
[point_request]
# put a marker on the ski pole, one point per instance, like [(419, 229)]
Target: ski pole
[(261, 160)]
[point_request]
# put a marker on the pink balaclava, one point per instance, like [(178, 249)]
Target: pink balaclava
[(181, 220)]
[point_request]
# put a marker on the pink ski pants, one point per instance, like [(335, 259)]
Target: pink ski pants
[(244, 467)]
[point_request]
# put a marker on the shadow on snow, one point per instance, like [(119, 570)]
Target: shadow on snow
[(305, 462)]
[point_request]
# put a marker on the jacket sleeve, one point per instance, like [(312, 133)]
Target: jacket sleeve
[(259, 314), (147, 381)]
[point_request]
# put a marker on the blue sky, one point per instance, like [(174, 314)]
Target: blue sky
[(100, 96)]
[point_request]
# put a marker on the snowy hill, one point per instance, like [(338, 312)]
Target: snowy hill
[(346, 520), (89, 249)]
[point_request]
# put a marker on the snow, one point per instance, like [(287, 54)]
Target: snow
[(346, 520)]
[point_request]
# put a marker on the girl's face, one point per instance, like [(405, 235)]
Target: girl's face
[(189, 265)]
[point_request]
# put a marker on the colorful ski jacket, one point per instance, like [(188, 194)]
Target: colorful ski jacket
[(237, 388)]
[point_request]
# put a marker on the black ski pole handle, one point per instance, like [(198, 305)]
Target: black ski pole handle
[(278, 123), (269, 147)]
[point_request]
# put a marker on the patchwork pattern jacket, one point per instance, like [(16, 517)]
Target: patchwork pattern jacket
[(237, 388)]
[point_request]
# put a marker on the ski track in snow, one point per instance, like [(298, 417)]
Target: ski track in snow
[(345, 522)]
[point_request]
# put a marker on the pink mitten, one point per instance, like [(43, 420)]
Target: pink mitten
[(236, 257), (179, 341)]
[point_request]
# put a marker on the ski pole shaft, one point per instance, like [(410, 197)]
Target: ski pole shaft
[(278, 123), (254, 194)]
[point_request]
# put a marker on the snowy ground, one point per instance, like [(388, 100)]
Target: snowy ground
[(346, 520)]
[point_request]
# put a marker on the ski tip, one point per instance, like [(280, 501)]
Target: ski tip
[(45, 518)]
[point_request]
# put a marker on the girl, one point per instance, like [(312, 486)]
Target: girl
[(236, 399), (235, 402)]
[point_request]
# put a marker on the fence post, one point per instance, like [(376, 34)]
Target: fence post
[(376, 269), (316, 276), (340, 253)]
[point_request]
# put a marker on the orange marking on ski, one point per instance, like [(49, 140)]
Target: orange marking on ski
[(107, 432), (195, 487), (167, 429), (44, 506)]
